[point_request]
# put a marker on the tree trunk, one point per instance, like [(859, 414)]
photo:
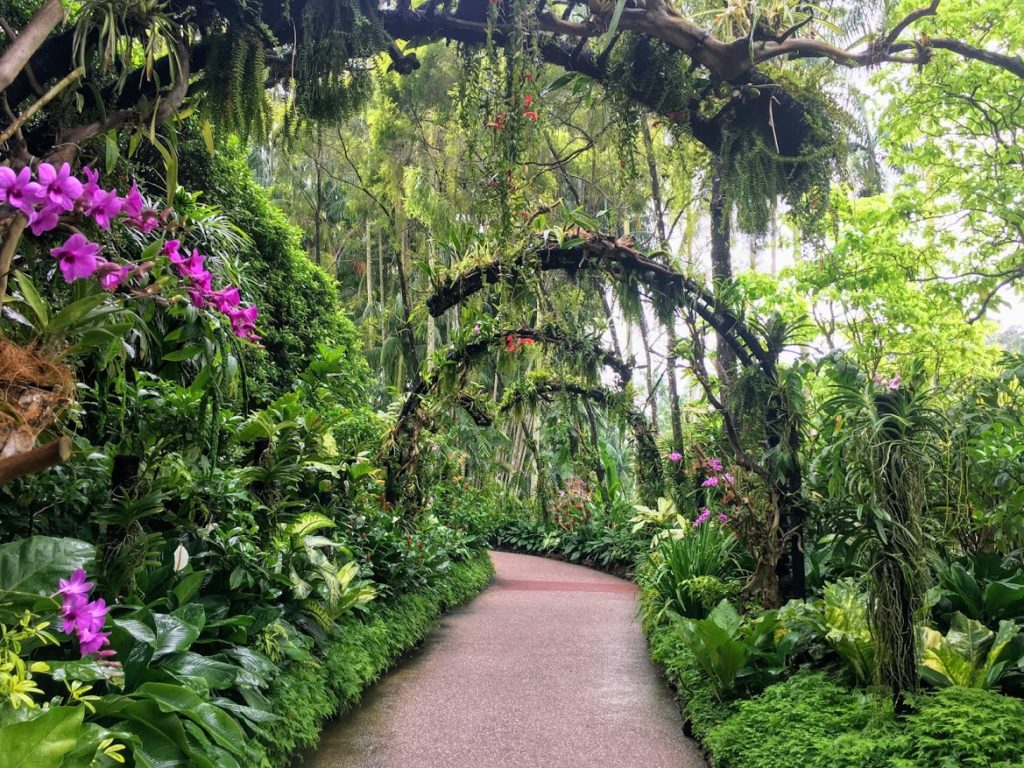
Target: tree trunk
[(652, 392), (369, 267), (318, 213), (721, 271)]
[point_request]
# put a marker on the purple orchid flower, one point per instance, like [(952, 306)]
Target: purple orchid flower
[(112, 279), (78, 258), (675, 457), (18, 190), (103, 207), (45, 219), (193, 266), (226, 299), (59, 187)]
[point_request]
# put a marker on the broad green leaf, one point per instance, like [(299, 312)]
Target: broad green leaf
[(43, 741), (31, 567)]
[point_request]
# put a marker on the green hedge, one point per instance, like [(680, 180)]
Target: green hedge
[(305, 694), (810, 720)]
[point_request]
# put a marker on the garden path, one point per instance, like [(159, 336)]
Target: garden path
[(547, 668)]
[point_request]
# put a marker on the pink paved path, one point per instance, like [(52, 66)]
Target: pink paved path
[(546, 669)]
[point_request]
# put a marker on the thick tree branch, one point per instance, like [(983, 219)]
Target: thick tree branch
[(1012, 64), (29, 40)]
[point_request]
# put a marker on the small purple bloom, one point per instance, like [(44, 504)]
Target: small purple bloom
[(675, 457), (78, 258), (714, 465), (76, 585), (19, 191), (729, 478), (203, 281), (172, 250), (112, 279), (132, 203), (83, 618), (226, 299), (243, 321), (103, 207), (192, 266), (89, 643), (710, 482), (702, 518), (723, 518), (147, 223), (198, 298), (45, 219), (476, 330), (59, 187)]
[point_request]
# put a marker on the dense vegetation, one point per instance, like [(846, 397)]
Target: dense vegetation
[(303, 307)]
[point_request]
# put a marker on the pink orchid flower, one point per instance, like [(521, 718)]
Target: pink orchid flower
[(78, 258)]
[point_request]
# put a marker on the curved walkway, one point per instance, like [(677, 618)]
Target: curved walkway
[(547, 668)]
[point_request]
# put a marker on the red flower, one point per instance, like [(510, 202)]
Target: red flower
[(530, 115), (528, 100)]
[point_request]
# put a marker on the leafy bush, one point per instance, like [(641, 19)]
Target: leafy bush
[(963, 727), (807, 720), (689, 571)]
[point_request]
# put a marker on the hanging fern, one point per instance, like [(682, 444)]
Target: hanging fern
[(333, 74), (235, 84)]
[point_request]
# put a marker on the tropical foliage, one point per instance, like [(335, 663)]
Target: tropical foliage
[(720, 296)]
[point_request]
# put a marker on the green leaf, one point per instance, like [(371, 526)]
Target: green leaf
[(309, 522), (175, 698), (43, 741), (189, 587), (613, 25), (74, 312), (177, 631), (207, 129), (31, 567), (32, 298), (185, 353), (112, 151), (217, 674)]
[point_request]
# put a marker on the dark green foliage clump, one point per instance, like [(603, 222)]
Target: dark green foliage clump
[(812, 720), (299, 308), (235, 85), (966, 727), (650, 72), (780, 140), (306, 694), (807, 720)]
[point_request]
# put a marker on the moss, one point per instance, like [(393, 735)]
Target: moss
[(305, 694)]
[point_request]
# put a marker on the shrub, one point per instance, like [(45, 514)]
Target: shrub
[(964, 727), (807, 720)]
